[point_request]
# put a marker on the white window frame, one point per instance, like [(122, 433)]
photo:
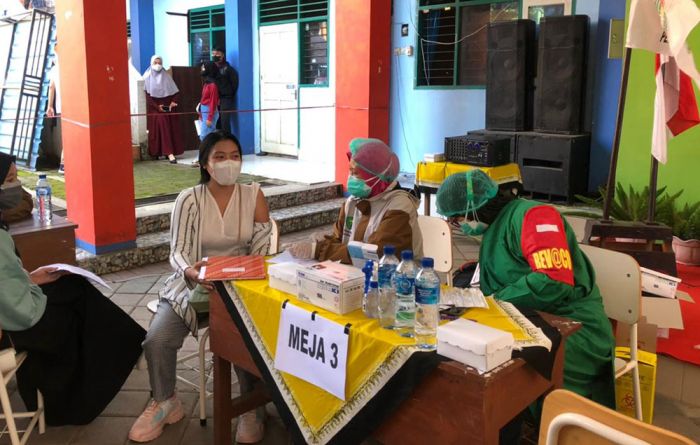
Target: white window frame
[(527, 3)]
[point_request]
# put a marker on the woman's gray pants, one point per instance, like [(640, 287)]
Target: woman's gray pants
[(164, 338)]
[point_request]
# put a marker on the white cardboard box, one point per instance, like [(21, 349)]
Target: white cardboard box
[(474, 344), (332, 286), (658, 283), (283, 277)]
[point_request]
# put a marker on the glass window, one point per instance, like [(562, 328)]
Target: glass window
[(314, 53), (276, 11), (536, 13), (207, 30), (452, 42)]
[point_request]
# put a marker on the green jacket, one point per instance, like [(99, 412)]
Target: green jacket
[(22, 303), (530, 257)]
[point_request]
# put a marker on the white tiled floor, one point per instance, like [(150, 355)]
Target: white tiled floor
[(285, 169)]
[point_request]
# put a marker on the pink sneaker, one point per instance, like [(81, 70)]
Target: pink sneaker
[(150, 423), (249, 429)]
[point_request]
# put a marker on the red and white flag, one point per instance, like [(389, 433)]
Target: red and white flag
[(662, 26)]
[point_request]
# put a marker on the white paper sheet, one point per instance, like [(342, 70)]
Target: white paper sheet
[(82, 272), (286, 257)]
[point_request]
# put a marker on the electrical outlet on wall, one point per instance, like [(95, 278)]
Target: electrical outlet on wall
[(404, 51)]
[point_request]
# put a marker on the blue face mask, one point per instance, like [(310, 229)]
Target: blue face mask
[(358, 188)]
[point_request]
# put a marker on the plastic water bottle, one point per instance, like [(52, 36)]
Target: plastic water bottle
[(387, 266), (367, 270), (427, 299), (387, 293), (404, 283), (370, 301), (43, 199), (386, 309)]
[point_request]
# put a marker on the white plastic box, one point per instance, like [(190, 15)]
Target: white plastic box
[(658, 283), (479, 346), (283, 277), (332, 286)]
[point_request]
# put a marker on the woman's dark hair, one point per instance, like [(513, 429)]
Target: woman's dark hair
[(210, 71), (207, 145)]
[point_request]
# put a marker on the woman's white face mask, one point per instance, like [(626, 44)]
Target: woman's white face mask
[(156, 67), (225, 172)]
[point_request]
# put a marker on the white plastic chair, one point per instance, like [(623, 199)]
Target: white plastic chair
[(9, 364), (274, 238), (620, 282), (568, 418), (201, 368), (437, 243), (578, 225)]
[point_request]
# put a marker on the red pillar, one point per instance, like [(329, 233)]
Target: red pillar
[(363, 73), (95, 123)]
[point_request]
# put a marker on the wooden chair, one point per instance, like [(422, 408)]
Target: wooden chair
[(620, 282), (10, 362), (568, 418), (437, 243)]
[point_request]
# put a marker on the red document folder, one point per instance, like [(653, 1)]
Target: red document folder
[(224, 268)]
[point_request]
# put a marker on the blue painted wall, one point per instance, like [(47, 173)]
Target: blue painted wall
[(422, 118), (239, 48), (142, 33), (607, 90)]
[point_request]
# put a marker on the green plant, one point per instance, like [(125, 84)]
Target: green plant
[(691, 227), (631, 205)]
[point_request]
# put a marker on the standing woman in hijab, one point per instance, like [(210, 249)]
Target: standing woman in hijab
[(161, 95)]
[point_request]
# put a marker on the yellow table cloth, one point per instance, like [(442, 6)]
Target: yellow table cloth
[(433, 173), (375, 355)]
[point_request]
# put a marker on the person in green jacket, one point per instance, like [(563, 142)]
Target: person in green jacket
[(81, 346), (529, 256)]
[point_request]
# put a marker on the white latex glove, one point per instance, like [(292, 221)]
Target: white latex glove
[(303, 249)]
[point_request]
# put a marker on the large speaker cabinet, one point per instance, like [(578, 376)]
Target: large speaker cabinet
[(561, 67), (554, 164), (510, 75)]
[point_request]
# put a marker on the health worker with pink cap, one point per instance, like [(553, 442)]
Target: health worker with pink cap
[(378, 210)]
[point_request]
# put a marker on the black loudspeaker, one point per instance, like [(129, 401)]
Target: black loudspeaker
[(554, 164), (498, 134), (561, 69), (509, 75)]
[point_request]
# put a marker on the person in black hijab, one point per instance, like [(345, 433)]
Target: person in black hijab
[(81, 346)]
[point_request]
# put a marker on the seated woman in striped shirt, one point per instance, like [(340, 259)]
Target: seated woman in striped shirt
[(217, 217)]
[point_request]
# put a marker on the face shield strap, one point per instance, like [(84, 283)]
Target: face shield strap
[(380, 175)]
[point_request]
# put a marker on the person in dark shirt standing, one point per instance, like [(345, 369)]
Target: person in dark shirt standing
[(228, 86)]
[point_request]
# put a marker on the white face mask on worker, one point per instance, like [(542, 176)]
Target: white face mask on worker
[(226, 172), (157, 67)]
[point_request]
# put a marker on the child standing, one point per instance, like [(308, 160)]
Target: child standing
[(208, 104)]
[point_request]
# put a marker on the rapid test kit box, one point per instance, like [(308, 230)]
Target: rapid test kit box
[(332, 286)]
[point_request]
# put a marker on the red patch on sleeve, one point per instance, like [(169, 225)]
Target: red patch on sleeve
[(544, 245)]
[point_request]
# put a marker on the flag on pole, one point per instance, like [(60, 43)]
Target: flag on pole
[(662, 26)]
